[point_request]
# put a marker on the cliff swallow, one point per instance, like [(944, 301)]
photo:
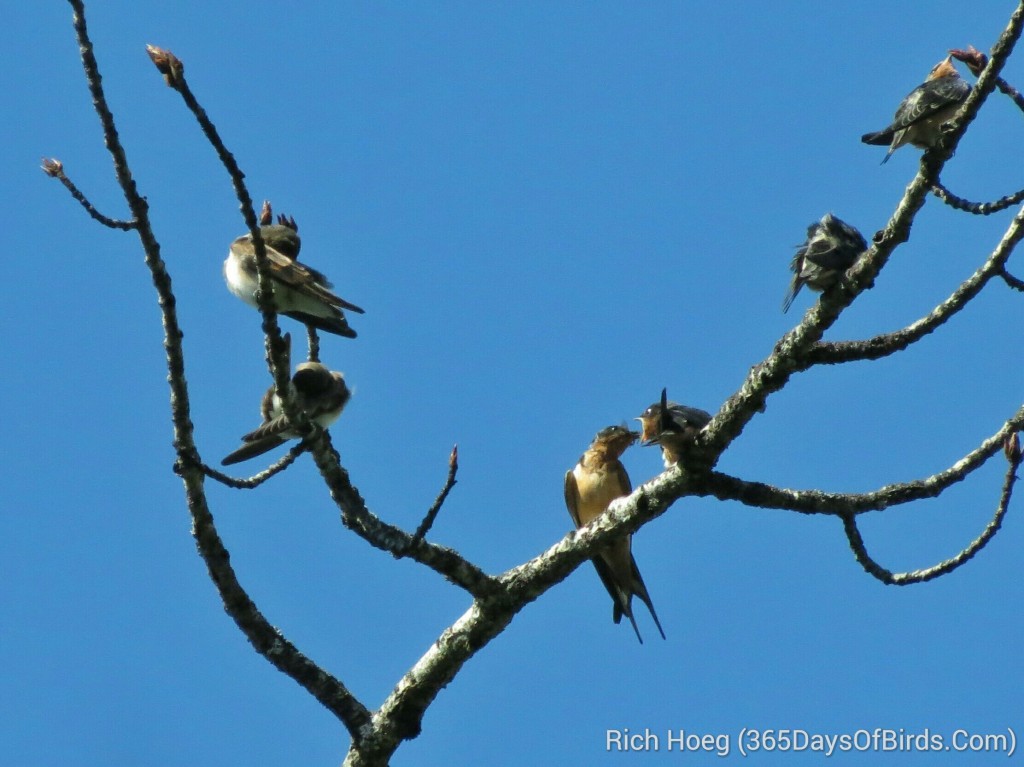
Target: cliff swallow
[(832, 247), (919, 117), (300, 291), (597, 480)]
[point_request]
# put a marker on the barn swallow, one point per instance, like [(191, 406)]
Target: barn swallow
[(597, 480), (671, 425), (919, 117), (300, 291), (318, 392), (832, 247)]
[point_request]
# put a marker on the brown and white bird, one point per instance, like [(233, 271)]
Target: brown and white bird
[(919, 117), (671, 426), (832, 246), (319, 393), (300, 292), (597, 480)]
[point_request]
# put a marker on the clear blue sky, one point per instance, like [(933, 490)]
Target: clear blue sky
[(549, 211)]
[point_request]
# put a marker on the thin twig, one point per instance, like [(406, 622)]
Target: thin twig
[(256, 479), (432, 512), (760, 495), (976, 61), (977, 208), (1014, 282), (54, 168), (942, 568)]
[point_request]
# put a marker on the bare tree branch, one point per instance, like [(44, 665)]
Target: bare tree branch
[(263, 636), (978, 208), (256, 479), (1014, 282), (435, 508), (771, 374), (942, 568), (54, 168), (883, 345), (758, 494)]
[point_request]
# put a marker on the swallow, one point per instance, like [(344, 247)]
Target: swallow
[(300, 292), (832, 247), (671, 425), (318, 392), (597, 480), (919, 117)]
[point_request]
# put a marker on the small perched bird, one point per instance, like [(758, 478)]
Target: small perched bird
[(832, 247), (300, 292), (671, 425), (919, 117), (597, 480), (318, 392)]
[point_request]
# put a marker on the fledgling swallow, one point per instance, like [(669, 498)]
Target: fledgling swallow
[(597, 480), (832, 247), (671, 425), (300, 291), (919, 117), (318, 392)]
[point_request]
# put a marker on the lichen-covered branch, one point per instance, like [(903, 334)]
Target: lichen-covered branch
[(435, 508), (263, 636), (860, 551), (831, 353), (761, 495)]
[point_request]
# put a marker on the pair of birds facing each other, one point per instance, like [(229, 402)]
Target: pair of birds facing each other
[(833, 246), (599, 477)]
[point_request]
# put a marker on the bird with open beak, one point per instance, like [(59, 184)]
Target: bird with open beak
[(671, 426), (919, 117), (598, 479)]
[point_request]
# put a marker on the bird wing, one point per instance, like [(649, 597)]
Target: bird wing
[(928, 98), (298, 276), (251, 450), (572, 498)]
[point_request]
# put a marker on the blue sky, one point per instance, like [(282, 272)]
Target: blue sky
[(549, 211)]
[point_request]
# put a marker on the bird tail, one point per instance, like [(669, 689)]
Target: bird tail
[(252, 449), (878, 138), (794, 288), (618, 612), (640, 589), (337, 325)]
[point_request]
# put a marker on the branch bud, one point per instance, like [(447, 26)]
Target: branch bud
[(168, 65), (53, 167)]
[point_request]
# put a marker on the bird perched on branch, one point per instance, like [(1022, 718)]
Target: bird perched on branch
[(597, 480), (671, 426), (319, 393), (832, 247), (300, 292), (919, 117)]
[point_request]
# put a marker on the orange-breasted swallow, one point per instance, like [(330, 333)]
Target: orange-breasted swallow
[(671, 425), (919, 117), (832, 247), (597, 480), (318, 392), (300, 291)]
